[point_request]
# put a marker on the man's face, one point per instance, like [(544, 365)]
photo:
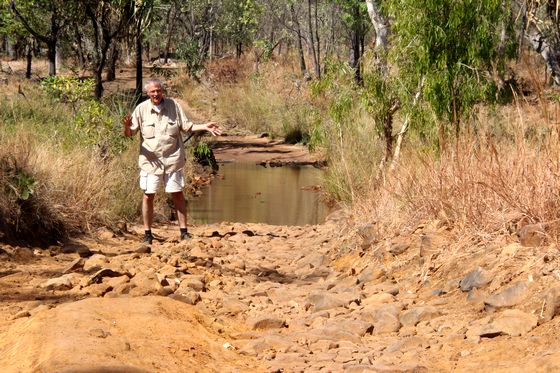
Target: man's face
[(155, 92)]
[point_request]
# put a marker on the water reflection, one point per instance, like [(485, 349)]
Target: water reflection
[(249, 193)]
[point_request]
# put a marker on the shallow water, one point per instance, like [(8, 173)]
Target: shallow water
[(249, 193)]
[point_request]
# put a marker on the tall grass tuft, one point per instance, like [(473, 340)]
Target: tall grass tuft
[(492, 180), (59, 178)]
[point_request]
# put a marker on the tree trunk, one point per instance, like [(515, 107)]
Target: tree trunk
[(542, 46), (138, 90), (301, 53), (379, 23), (356, 45), (238, 50), (112, 65), (51, 56), (11, 49), (312, 44), (79, 46), (29, 57)]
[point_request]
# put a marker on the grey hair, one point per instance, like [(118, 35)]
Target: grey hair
[(153, 82)]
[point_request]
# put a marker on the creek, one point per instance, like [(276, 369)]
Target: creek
[(250, 193)]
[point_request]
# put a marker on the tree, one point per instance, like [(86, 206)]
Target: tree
[(540, 27), (32, 15), (108, 19), (451, 46), (238, 22)]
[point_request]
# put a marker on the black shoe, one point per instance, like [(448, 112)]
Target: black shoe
[(148, 239), (185, 236)]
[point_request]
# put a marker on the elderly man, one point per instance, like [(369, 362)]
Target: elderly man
[(162, 125)]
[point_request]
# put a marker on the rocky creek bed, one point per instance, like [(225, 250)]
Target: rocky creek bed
[(335, 297)]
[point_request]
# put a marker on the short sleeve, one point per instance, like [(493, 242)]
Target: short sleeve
[(186, 124), (136, 120)]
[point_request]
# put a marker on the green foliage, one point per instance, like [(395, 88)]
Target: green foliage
[(265, 46), (239, 19), (191, 52), (204, 155), (453, 45), (67, 89), (19, 182)]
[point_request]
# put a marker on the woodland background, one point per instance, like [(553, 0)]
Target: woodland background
[(424, 110)]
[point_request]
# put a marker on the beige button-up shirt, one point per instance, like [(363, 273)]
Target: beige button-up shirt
[(161, 149)]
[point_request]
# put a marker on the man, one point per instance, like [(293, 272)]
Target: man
[(162, 125)]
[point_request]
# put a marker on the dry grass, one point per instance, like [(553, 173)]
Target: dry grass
[(275, 100), (485, 184), (74, 191)]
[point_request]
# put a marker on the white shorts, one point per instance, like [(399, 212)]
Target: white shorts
[(174, 182)]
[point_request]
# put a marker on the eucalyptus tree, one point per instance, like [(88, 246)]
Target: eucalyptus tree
[(44, 19), (238, 22), (355, 16), (540, 28), (450, 46), (16, 35), (141, 17), (108, 20)]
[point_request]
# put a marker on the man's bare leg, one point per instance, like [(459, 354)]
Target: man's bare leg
[(148, 210), (181, 207), (148, 216)]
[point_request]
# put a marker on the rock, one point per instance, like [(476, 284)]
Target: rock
[(23, 254), (333, 333), (326, 301), (400, 368), (233, 306), (515, 322), (509, 297), (266, 322), (235, 265), (552, 304), (144, 284), (82, 250), (385, 287), (386, 322), (143, 249), (76, 264), (532, 235), (64, 282), (475, 279), (165, 291), (378, 299), (116, 282), (95, 263), (405, 344), (399, 247), (414, 316), (20, 314), (509, 322), (190, 297), (371, 274), (253, 347), (96, 290), (356, 327), (193, 282), (198, 252), (105, 272)]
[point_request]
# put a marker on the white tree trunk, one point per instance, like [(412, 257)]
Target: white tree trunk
[(542, 46), (379, 23)]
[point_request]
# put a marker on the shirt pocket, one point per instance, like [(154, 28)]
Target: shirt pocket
[(148, 130), (172, 128)]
